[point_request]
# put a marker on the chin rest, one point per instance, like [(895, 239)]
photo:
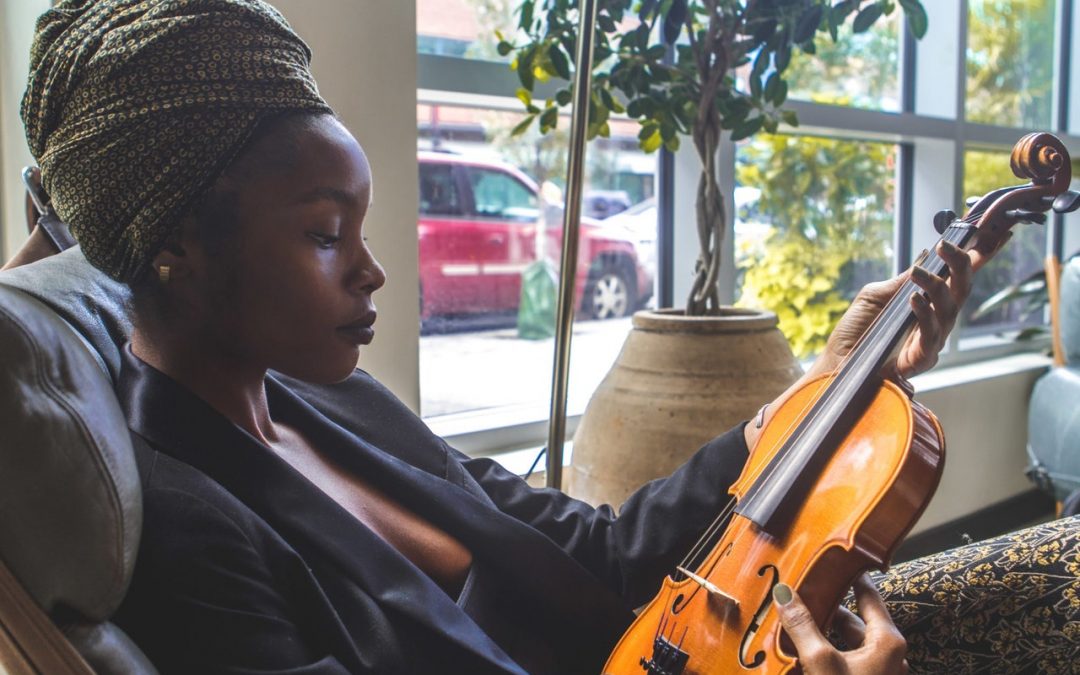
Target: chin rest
[(70, 501)]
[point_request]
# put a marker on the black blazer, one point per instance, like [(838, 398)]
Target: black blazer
[(246, 567)]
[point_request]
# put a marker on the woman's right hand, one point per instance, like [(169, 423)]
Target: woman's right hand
[(879, 649)]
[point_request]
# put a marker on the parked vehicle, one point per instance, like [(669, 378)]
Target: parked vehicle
[(482, 223), (601, 204)]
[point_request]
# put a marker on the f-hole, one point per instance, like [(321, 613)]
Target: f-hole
[(755, 624)]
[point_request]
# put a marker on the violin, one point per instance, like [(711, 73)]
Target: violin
[(835, 481)]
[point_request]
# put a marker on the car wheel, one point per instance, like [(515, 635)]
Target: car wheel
[(608, 294)]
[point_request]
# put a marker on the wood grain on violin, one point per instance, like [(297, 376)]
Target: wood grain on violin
[(837, 478)]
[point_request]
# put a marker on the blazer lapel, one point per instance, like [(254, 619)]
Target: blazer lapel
[(182, 425), (538, 568)]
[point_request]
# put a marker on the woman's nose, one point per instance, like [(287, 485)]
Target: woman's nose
[(367, 275)]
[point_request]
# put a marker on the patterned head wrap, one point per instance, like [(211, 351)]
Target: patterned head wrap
[(133, 109)]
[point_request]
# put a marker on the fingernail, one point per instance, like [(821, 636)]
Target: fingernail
[(950, 247), (920, 272), (918, 297), (781, 594)]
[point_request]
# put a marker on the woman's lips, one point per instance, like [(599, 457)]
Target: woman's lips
[(359, 332)]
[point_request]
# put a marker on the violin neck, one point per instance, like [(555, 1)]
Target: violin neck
[(774, 498)]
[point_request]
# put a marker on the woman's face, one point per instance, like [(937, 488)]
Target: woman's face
[(293, 292)]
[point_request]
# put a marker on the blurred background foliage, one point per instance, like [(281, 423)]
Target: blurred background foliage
[(828, 206)]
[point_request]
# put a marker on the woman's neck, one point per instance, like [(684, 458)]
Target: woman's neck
[(234, 388)]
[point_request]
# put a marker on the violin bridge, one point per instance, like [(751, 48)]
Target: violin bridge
[(709, 586)]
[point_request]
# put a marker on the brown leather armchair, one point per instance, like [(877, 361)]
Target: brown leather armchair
[(70, 503)]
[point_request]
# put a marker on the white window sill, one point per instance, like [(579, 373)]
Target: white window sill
[(513, 436)]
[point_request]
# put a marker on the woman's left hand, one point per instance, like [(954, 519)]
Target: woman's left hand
[(935, 319), (936, 316)]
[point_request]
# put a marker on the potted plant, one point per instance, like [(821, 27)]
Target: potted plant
[(712, 71)]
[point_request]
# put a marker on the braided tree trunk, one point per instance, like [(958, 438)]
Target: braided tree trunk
[(714, 54), (705, 293)]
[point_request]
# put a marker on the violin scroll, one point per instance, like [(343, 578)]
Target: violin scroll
[(1042, 159)]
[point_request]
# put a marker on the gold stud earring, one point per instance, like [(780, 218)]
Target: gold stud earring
[(164, 273)]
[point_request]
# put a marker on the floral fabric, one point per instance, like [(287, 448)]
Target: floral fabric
[(1005, 605)]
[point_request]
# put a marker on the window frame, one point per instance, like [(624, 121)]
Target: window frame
[(930, 152)]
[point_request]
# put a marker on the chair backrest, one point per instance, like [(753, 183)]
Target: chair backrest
[(1069, 312), (70, 501)]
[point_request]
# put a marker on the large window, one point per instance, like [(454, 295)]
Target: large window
[(490, 232), (891, 131), (814, 222), (860, 70), (1010, 62)]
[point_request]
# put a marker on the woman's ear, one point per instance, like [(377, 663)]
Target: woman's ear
[(182, 259)]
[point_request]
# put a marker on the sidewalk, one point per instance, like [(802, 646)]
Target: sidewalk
[(493, 368)]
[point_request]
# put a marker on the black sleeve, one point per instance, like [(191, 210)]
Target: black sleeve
[(204, 599), (655, 528)]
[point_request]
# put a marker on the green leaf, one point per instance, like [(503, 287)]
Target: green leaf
[(648, 129), (866, 18), (610, 102), (781, 93), (672, 144), (673, 22), (764, 30), (916, 17), (770, 126), (808, 24), (790, 117), (652, 142), (809, 48), (526, 15), (606, 23), (761, 62), (525, 69), (771, 85), (522, 126), (747, 129), (755, 85), (559, 61), (783, 57), (504, 48), (549, 120), (563, 97), (524, 96), (641, 37)]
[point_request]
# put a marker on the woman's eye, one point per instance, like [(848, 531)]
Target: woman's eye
[(324, 240)]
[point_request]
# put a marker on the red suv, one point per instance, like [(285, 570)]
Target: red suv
[(480, 222)]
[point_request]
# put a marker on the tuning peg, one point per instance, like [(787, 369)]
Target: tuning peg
[(1022, 216), (943, 219), (1067, 202)]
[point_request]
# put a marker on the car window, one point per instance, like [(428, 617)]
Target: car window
[(500, 195), (438, 191)]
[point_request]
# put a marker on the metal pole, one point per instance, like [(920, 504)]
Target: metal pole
[(564, 320)]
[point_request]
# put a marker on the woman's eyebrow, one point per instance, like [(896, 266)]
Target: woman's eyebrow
[(338, 195)]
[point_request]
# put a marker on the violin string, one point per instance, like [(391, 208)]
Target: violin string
[(895, 311), (894, 314), (892, 310), (705, 541), (689, 562)]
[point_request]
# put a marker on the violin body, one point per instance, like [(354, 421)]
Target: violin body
[(836, 479), (894, 452)]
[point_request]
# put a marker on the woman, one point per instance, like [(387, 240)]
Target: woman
[(304, 521)]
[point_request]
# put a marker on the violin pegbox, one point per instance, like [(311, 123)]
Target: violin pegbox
[(1042, 159)]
